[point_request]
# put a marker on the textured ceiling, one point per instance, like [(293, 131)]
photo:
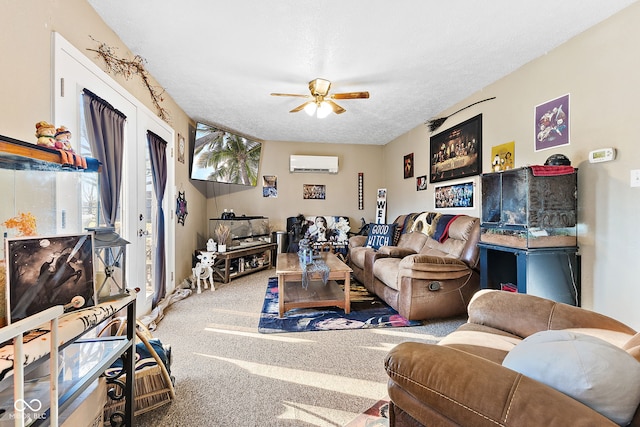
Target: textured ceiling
[(220, 60)]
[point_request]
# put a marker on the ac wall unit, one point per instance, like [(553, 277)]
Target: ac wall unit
[(317, 164)]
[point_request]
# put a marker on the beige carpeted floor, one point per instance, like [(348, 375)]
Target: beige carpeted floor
[(228, 374)]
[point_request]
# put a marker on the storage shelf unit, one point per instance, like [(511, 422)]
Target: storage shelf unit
[(82, 362), (552, 273), (83, 358)]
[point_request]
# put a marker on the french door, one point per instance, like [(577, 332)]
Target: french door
[(72, 73)]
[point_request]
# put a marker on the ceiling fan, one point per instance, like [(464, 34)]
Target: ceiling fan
[(321, 102)]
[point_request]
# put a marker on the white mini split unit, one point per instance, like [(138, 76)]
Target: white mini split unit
[(316, 164)]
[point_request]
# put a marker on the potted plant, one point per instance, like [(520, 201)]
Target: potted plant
[(222, 235)]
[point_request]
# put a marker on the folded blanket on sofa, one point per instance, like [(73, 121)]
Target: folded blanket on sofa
[(442, 227)]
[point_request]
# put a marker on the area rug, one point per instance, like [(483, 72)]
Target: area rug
[(367, 311), (376, 416)]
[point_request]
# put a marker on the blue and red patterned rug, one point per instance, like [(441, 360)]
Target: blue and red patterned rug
[(367, 311)]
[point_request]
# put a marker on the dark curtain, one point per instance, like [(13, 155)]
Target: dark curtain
[(158, 155), (105, 131)]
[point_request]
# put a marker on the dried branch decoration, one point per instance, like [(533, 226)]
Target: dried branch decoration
[(128, 68), (436, 123)]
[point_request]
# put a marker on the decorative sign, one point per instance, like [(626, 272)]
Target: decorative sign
[(181, 207), (381, 206), (360, 191)]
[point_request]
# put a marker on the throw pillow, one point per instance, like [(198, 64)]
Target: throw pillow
[(380, 235), (589, 369)]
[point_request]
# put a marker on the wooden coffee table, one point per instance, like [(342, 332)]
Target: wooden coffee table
[(291, 294)]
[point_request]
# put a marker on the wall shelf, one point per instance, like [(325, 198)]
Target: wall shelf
[(20, 155)]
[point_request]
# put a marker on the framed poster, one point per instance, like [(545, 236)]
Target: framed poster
[(313, 191), (457, 152), (552, 123), (408, 166), (45, 271), (182, 148), (455, 196), (269, 186), (503, 156), (421, 183)]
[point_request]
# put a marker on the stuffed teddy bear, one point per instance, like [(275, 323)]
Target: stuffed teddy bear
[(63, 139), (46, 133)]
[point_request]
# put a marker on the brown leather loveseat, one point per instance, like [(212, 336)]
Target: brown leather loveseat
[(462, 381), (430, 272)]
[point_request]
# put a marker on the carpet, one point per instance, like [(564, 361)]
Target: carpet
[(367, 311), (376, 416)]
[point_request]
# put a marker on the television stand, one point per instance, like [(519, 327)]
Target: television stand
[(231, 264)]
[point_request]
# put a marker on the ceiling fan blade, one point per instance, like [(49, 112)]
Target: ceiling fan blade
[(350, 95), (291, 94), (301, 107), (336, 108)]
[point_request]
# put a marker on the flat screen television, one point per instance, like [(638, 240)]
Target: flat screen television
[(222, 156)]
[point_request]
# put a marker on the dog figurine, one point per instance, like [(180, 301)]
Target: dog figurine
[(203, 271)]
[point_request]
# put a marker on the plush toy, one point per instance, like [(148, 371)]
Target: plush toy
[(46, 133), (63, 139)]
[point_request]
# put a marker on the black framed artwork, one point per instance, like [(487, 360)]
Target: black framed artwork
[(457, 152), (408, 166)]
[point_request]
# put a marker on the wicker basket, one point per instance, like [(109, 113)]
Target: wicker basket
[(153, 384)]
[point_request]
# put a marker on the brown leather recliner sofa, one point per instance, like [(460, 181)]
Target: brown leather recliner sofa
[(461, 381), (432, 270)]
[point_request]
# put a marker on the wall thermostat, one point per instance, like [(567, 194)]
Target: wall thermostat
[(602, 155)]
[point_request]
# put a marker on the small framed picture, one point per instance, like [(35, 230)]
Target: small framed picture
[(313, 191), (181, 148), (408, 166), (421, 183)]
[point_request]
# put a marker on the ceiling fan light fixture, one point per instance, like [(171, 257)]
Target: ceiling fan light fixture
[(324, 109), (311, 108)]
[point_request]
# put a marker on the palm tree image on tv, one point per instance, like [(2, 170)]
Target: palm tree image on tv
[(221, 156)]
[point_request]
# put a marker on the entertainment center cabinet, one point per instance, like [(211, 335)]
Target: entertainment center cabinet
[(240, 260), (528, 232), (250, 249)]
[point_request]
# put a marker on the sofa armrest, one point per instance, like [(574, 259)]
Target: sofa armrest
[(470, 391), (395, 251), (422, 262), (357, 241), (524, 315)]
